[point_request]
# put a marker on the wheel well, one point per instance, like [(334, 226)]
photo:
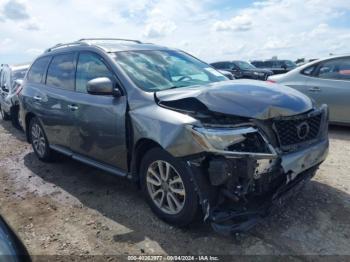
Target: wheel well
[(29, 116), (140, 149)]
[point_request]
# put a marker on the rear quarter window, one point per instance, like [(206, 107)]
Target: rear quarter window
[(37, 70)]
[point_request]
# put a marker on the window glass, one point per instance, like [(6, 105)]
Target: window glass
[(335, 69), (19, 74), (37, 70), (61, 71), (90, 66), (160, 70), (308, 71)]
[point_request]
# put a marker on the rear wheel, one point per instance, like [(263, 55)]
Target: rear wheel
[(168, 188), (39, 141), (5, 116)]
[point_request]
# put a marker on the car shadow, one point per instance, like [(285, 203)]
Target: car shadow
[(119, 200), (339, 132), (17, 133)]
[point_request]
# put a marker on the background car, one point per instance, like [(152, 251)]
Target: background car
[(10, 83), (11, 248), (242, 69), (276, 66), (326, 81), (228, 74)]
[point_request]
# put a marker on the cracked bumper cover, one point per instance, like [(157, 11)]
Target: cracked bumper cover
[(296, 167)]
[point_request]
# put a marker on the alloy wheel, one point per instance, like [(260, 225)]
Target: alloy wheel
[(38, 139), (166, 188)]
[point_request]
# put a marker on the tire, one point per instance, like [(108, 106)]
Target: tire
[(39, 141), (15, 117), (166, 209), (5, 116)]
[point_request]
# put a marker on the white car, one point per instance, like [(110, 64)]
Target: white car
[(326, 81)]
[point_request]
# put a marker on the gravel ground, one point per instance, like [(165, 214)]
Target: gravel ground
[(67, 208)]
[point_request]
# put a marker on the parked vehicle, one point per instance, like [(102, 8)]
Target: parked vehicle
[(242, 69), (10, 83), (195, 142), (274, 65), (11, 247), (228, 74), (326, 81)]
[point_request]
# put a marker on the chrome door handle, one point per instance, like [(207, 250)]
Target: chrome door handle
[(37, 98), (314, 89), (73, 107)]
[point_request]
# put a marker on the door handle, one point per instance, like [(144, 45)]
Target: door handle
[(73, 107), (37, 98), (314, 89)]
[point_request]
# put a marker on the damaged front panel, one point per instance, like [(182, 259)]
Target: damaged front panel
[(231, 146)]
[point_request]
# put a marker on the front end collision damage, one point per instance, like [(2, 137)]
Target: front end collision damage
[(237, 184)]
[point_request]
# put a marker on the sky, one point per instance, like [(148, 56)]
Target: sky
[(212, 30)]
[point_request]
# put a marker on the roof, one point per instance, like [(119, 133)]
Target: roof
[(109, 45)]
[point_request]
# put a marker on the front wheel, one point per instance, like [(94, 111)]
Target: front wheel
[(168, 188)]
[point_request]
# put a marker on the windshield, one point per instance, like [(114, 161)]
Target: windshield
[(159, 70), (244, 65)]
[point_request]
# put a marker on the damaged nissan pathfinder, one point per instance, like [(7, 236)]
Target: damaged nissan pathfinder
[(198, 144)]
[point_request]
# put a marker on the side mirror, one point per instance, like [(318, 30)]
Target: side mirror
[(102, 86), (4, 88)]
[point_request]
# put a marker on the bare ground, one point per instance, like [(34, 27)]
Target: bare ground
[(67, 208)]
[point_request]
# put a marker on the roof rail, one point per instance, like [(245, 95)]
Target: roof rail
[(109, 39), (77, 43)]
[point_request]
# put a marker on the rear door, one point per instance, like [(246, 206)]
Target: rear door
[(55, 99), (330, 85), (99, 131)]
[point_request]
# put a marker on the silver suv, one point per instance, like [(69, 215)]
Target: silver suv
[(196, 142)]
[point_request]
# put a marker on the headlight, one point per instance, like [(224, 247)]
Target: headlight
[(220, 138)]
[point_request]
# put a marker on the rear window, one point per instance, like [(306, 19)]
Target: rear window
[(61, 71), (37, 70)]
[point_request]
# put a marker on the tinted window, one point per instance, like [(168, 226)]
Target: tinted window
[(90, 66), (335, 69), (61, 71), (37, 70), (308, 71)]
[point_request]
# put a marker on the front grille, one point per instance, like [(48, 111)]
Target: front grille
[(297, 130)]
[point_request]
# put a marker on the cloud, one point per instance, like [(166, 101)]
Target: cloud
[(159, 29), (238, 23), (15, 10), (32, 25)]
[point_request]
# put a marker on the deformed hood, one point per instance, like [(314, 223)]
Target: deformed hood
[(245, 98)]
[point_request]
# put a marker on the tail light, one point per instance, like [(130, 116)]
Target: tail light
[(271, 81), (19, 89)]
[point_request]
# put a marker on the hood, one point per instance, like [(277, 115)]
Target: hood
[(244, 98)]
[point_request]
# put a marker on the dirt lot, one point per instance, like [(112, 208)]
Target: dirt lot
[(69, 208)]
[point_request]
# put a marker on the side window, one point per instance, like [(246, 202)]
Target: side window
[(335, 69), (308, 71), (90, 66), (61, 71), (37, 70)]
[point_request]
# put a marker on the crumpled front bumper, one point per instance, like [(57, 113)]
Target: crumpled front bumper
[(230, 221), (297, 167)]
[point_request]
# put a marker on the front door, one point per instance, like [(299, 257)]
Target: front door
[(99, 119)]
